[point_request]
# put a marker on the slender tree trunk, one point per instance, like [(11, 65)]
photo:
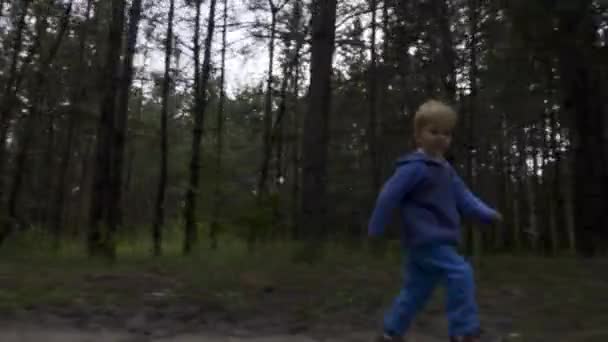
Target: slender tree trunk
[(448, 55), (122, 114), (220, 138), (385, 72), (131, 144), (190, 229), (190, 238), (162, 181), (510, 192), (78, 93), (373, 110), (517, 195), (502, 169), (296, 127), (557, 190), (100, 238), (8, 97), (316, 124), (267, 144), (85, 179), (569, 206), (534, 189), (529, 181), (474, 26), (277, 137), (295, 159), (48, 181), (290, 72), (524, 201), (38, 96), (583, 104), (548, 174)]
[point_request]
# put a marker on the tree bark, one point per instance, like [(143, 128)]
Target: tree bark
[(548, 173), (316, 124), (583, 104), (122, 115), (10, 90), (38, 96), (159, 217), (296, 126), (220, 137), (448, 55), (267, 143), (290, 72), (475, 238), (373, 110), (78, 93), (534, 188), (190, 229), (503, 181), (191, 236), (100, 237)]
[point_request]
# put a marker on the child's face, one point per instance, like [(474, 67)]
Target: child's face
[(435, 138)]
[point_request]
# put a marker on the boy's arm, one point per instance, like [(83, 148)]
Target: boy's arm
[(472, 206), (403, 181)]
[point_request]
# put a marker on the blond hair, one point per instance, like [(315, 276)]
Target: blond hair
[(433, 111)]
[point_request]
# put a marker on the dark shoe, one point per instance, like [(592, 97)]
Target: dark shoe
[(467, 338), (386, 338)]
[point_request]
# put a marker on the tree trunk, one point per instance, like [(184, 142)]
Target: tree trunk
[(296, 126), (316, 124), (38, 98), (568, 194), (122, 114), (530, 192), (475, 246), (220, 138), (190, 229), (549, 175), (267, 144), (131, 148), (583, 104), (100, 239), (556, 186), (277, 137), (373, 110), (295, 159), (8, 97), (524, 201), (190, 238), (503, 181), (534, 189), (448, 55), (78, 93), (517, 196), (162, 181)]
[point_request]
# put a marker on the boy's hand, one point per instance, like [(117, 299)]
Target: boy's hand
[(498, 217)]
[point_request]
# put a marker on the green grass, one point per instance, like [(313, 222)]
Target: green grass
[(543, 297)]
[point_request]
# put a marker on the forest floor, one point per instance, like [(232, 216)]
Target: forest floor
[(230, 295)]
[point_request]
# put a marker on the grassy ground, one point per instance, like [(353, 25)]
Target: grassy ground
[(534, 299)]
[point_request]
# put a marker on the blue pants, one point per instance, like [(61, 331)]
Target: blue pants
[(425, 267)]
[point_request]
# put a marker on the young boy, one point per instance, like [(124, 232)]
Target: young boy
[(432, 199)]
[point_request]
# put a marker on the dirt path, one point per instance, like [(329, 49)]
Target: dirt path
[(31, 334)]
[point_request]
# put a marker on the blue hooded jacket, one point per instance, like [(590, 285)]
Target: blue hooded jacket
[(432, 199)]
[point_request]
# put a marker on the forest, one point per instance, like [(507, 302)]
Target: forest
[(205, 135)]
